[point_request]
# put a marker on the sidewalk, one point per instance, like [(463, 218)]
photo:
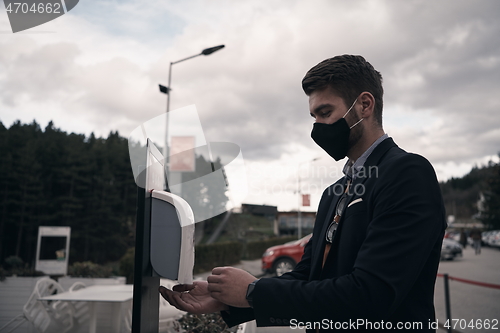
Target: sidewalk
[(469, 301)]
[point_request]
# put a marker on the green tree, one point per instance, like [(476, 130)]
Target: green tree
[(51, 178), (491, 215), (460, 194)]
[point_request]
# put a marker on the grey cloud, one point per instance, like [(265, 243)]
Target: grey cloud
[(436, 57), (109, 94), (42, 73)]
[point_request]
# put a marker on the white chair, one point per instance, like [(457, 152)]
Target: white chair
[(81, 311), (60, 313), (20, 320), (46, 317)]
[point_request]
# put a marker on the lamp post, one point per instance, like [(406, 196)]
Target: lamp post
[(167, 89), (299, 213)]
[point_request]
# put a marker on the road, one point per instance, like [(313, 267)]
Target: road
[(470, 301)]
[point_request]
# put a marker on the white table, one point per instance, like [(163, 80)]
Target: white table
[(116, 294)]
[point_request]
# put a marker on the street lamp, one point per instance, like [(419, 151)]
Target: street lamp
[(299, 214), (168, 89)]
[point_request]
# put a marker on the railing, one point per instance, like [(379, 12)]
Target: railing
[(447, 295)]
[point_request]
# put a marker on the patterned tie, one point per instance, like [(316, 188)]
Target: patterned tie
[(336, 219)]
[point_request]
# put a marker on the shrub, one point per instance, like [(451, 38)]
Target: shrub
[(205, 323), (89, 269), (218, 254), (127, 265), (14, 262), (14, 266)]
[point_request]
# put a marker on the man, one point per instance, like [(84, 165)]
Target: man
[(372, 261), (476, 236)]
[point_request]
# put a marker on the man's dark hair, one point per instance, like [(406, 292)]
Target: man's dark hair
[(349, 76)]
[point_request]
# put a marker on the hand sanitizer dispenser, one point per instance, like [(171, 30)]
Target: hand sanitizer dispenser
[(172, 237)]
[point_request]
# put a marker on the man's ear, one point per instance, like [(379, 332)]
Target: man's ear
[(368, 104)]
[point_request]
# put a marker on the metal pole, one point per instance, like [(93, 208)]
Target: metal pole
[(145, 308), (299, 221), (191, 57), (169, 87), (169, 90), (447, 302), (299, 213), (166, 150)]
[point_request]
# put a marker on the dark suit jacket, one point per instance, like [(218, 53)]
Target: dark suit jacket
[(384, 257)]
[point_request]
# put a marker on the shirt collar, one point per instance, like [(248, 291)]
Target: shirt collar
[(351, 169)]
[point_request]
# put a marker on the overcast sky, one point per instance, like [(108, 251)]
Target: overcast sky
[(97, 69)]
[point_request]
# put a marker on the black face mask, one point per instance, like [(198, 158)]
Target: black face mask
[(334, 138)]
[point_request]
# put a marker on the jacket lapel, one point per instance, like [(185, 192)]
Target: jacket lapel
[(372, 161), (370, 168), (320, 248)]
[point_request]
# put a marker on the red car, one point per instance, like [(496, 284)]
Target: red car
[(280, 259)]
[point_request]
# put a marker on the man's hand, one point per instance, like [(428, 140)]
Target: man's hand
[(193, 298), (229, 285)]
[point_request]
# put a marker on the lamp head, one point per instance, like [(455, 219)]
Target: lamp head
[(164, 89), (211, 50)]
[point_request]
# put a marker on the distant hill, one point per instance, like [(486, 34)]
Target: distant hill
[(462, 194)]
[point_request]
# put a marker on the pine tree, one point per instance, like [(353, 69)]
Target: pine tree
[(51, 178), (491, 215)]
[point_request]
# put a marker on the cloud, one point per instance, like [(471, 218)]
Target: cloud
[(100, 70), (43, 72)]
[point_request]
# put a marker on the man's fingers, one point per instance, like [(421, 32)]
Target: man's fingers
[(179, 303), (166, 294), (216, 295), (218, 270), (163, 291), (173, 298), (183, 287), (214, 287), (214, 279)]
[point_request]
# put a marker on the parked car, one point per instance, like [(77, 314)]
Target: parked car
[(454, 235), (491, 238), (450, 249), (281, 259), (495, 239)]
